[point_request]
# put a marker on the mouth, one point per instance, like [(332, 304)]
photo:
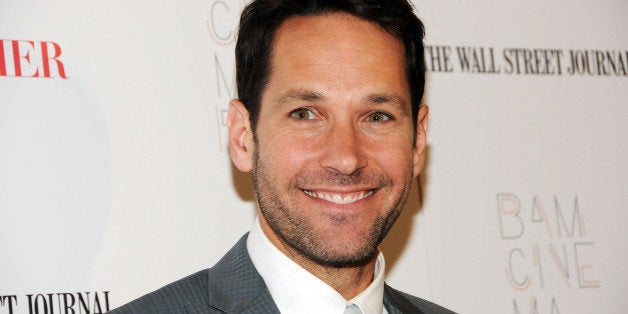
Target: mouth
[(340, 198)]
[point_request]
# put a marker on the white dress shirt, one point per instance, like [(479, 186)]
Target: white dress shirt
[(295, 290)]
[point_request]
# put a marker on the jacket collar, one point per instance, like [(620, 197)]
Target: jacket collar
[(233, 283)]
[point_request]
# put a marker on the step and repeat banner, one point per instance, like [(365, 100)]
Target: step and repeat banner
[(115, 177)]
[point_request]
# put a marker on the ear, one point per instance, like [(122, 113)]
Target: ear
[(241, 143), (421, 140)]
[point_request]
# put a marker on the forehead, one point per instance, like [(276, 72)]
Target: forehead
[(333, 30), (337, 50), (334, 27)]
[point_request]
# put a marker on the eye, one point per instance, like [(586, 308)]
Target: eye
[(302, 114), (378, 116)]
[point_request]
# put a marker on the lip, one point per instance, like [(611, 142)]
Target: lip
[(340, 197)]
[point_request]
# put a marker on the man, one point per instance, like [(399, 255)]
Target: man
[(330, 124)]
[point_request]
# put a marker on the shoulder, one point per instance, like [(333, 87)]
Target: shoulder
[(407, 303), (176, 297), (224, 286)]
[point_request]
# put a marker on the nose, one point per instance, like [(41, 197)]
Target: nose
[(343, 149)]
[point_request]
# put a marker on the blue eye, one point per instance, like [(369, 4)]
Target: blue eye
[(302, 114), (378, 117)]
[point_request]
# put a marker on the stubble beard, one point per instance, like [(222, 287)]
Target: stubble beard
[(299, 234)]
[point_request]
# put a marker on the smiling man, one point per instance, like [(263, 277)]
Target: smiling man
[(329, 122)]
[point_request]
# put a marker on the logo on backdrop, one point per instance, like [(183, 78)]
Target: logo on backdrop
[(29, 58), (222, 25), (527, 61), (550, 251), (64, 302)]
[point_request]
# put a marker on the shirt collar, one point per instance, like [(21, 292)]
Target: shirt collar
[(295, 290)]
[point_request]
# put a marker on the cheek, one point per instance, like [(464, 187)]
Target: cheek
[(286, 153), (394, 159)]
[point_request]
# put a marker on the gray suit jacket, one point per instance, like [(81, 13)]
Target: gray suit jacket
[(233, 285)]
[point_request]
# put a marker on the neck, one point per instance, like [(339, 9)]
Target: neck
[(348, 281)]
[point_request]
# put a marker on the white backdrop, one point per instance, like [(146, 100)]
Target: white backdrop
[(115, 178)]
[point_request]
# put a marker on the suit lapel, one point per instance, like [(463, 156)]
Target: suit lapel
[(396, 303), (235, 286)]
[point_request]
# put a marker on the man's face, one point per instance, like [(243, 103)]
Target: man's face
[(334, 153)]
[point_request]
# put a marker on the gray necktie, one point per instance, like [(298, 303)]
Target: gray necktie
[(352, 309)]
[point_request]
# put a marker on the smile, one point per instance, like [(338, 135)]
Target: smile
[(337, 198)]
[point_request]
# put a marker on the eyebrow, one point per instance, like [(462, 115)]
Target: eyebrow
[(311, 96), (382, 98), (301, 95)]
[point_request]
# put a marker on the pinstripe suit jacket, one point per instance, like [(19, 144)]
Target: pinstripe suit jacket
[(234, 286)]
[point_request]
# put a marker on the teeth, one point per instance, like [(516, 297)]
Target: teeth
[(337, 198)]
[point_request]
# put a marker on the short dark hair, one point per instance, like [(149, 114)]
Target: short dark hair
[(261, 19)]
